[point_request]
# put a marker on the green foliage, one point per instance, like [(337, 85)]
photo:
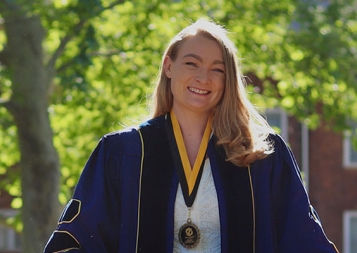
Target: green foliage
[(317, 72), (305, 53), (9, 154)]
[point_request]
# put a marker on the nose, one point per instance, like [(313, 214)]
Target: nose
[(202, 76)]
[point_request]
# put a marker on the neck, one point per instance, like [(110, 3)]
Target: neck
[(192, 128), (192, 124)]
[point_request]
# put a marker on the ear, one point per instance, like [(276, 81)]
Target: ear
[(167, 66)]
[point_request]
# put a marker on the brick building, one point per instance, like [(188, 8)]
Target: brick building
[(333, 186), (328, 163)]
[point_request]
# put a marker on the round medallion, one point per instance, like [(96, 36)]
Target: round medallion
[(189, 235)]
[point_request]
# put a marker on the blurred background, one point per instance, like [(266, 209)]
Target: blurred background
[(74, 70)]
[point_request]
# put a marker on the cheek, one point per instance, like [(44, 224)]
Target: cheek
[(221, 90), (175, 86), (221, 87), (220, 97), (219, 81)]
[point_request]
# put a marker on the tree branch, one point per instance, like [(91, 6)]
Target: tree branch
[(64, 66), (65, 40), (98, 54), (112, 5)]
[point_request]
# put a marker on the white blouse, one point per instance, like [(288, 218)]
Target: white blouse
[(204, 213)]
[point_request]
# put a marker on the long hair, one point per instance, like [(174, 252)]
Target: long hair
[(238, 126)]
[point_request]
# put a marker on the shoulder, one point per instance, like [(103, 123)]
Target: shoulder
[(120, 136), (129, 138), (281, 153), (118, 143), (279, 145), (129, 134), (153, 124), (116, 138), (276, 140)]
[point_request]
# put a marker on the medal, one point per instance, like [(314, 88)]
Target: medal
[(189, 235)]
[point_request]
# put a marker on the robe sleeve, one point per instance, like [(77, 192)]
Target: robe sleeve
[(89, 222), (298, 227)]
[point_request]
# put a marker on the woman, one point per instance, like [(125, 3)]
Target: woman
[(205, 174)]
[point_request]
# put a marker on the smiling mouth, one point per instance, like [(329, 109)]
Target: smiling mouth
[(198, 91)]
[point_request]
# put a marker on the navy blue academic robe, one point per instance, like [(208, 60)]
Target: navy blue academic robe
[(124, 200)]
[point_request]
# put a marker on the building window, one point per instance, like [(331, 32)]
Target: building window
[(278, 119), (350, 231), (9, 239), (350, 149)]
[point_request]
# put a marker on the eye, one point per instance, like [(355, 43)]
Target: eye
[(189, 63), (219, 70)]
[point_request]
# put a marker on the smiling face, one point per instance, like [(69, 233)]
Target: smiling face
[(197, 75)]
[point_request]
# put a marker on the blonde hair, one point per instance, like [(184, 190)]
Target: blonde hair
[(239, 128)]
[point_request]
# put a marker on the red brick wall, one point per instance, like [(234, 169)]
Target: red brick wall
[(332, 188)]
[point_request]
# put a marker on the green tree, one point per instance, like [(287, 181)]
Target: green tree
[(71, 71)]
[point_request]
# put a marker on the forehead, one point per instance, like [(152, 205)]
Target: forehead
[(202, 46)]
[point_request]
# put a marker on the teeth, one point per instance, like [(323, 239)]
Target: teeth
[(195, 90)]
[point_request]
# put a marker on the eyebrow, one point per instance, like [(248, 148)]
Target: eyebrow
[(199, 58)]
